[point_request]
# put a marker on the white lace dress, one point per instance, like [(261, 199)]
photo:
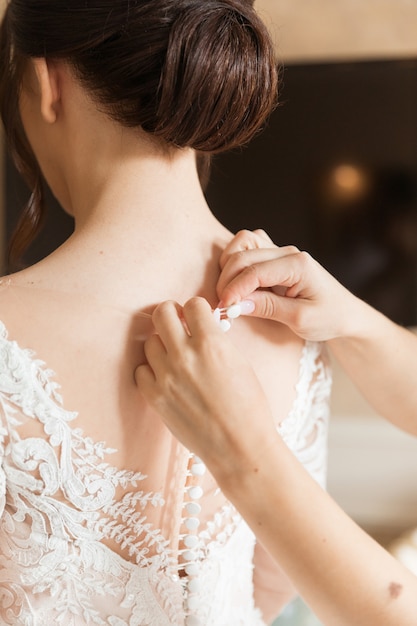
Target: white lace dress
[(62, 502)]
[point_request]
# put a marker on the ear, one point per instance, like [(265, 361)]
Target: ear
[(48, 81)]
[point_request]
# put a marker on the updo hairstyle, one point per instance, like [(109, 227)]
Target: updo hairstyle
[(195, 73)]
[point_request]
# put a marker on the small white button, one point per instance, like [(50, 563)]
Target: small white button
[(193, 508), (216, 315), (195, 493), (193, 602), (189, 555), (198, 469), (191, 569), (225, 325), (194, 585), (234, 311), (192, 523), (190, 541)]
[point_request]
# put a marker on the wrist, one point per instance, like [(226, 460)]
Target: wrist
[(358, 322), (240, 471), (367, 337)]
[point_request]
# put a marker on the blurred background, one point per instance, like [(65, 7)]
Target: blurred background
[(335, 173)]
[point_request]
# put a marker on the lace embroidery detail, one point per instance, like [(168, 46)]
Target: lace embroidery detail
[(60, 498), (305, 428)]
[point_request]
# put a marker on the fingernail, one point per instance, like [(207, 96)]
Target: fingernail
[(247, 307)]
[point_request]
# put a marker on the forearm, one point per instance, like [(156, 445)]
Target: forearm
[(380, 357), (345, 577)]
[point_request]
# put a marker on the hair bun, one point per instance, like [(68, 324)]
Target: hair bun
[(219, 81)]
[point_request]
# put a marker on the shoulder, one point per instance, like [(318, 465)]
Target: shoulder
[(8, 303), (16, 301), (28, 311)]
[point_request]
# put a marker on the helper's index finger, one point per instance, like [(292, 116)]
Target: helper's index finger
[(246, 240), (277, 273), (247, 263)]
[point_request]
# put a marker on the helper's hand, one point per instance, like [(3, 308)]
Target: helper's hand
[(203, 388), (285, 285)]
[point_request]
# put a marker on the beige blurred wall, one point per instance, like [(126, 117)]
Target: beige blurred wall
[(307, 30)]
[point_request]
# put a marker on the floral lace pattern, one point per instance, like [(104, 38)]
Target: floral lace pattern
[(60, 499)]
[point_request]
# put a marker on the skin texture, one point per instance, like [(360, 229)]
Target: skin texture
[(344, 575), (136, 242)]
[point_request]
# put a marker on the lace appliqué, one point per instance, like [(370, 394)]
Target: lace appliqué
[(60, 499), (305, 428), (60, 505)]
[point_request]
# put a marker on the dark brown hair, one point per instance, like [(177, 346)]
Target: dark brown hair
[(196, 73)]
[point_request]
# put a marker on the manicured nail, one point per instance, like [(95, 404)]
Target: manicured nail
[(247, 307)]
